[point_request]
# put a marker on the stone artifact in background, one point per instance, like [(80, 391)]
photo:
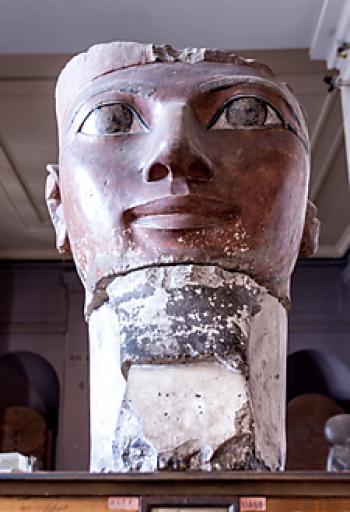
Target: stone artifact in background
[(181, 192), (23, 439), (14, 462), (337, 433), (307, 449)]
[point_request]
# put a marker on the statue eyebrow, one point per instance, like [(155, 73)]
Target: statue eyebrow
[(224, 82), (142, 88)]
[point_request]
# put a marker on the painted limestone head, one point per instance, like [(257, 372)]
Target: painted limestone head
[(169, 156)]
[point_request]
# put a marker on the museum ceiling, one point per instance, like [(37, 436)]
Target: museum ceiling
[(35, 43)]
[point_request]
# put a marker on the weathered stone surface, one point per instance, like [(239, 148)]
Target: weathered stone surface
[(144, 406), (198, 315), (107, 386), (238, 451), (267, 356), (189, 410), (184, 313), (180, 404), (131, 450), (193, 454)]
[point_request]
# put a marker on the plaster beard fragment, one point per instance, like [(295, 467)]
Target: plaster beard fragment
[(181, 159)]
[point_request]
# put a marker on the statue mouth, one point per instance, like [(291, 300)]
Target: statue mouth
[(181, 212)]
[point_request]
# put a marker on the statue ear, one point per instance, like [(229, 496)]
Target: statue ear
[(54, 205), (309, 241)]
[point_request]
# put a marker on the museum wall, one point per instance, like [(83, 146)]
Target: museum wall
[(44, 357), (41, 315), (319, 327)]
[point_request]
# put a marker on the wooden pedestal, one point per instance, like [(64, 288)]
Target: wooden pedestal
[(194, 492)]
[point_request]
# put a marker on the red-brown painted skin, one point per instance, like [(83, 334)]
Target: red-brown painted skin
[(258, 174)]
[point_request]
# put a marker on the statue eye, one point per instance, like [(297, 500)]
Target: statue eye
[(112, 119), (246, 111)]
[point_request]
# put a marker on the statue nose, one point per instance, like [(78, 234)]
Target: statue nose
[(179, 156), (178, 169)]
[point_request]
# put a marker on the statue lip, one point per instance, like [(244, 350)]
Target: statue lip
[(181, 212)]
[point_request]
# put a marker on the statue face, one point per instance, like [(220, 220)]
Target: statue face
[(174, 162)]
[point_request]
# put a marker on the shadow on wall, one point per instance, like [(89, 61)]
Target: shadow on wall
[(318, 387), (29, 402)]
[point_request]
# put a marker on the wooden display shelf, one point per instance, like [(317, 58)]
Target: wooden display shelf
[(195, 492)]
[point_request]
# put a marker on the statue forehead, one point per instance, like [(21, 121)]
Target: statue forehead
[(104, 58), (163, 75), (88, 69)]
